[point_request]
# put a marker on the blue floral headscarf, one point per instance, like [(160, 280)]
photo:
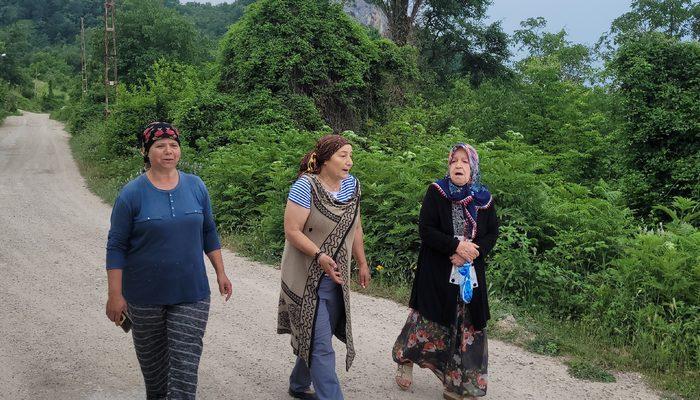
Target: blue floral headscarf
[(473, 195)]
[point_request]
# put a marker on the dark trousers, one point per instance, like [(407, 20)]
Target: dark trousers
[(168, 342)]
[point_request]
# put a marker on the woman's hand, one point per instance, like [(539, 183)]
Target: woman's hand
[(116, 305), (225, 287), (330, 268), (468, 250), (457, 260), (364, 276)]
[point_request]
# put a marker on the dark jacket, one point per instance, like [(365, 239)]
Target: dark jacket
[(433, 295)]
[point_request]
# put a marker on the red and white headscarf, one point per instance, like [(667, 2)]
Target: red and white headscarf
[(156, 131)]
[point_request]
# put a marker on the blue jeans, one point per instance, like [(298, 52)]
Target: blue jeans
[(322, 371)]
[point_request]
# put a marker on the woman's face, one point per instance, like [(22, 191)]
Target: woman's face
[(164, 153), (338, 166), (460, 170)]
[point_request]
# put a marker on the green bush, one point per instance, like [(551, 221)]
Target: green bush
[(5, 105), (658, 84), (649, 298), (208, 116), (303, 49), (248, 180)]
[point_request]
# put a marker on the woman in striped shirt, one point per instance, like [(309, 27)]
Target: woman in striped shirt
[(323, 232)]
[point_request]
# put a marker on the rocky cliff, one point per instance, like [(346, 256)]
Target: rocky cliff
[(367, 14)]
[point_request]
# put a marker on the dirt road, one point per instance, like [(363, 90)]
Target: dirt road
[(56, 342)]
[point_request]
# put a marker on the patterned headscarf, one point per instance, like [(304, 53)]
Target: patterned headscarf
[(156, 131), (472, 191), (475, 177), (472, 196)]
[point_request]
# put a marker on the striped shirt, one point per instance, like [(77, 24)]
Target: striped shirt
[(300, 193)]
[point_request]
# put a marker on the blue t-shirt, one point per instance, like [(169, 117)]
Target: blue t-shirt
[(159, 237), (300, 193)]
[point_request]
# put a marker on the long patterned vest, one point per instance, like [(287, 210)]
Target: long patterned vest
[(331, 226)]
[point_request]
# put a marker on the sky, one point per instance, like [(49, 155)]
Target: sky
[(584, 20)]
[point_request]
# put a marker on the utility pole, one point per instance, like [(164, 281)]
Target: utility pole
[(82, 55), (110, 36)]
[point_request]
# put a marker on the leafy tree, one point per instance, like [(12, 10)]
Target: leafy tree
[(402, 17), (454, 41), (575, 59), (450, 34), (679, 19), (49, 66), (322, 65), (213, 20), (20, 38), (658, 82), (59, 20), (148, 31), (406, 17)]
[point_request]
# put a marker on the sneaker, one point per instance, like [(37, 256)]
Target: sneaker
[(307, 394)]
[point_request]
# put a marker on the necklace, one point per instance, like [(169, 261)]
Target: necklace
[(327, 186)]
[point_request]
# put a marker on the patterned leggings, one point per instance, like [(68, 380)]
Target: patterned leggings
[(168, 342)]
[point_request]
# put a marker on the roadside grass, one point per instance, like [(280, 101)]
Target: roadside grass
[(584, 370), (587, 355), (17, 102), (103, 176)]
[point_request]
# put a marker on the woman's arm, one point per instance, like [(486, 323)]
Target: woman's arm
[(295, 217), (116, 304), (487, 241), (358, 251), (429, 226), (217, 261), (210, 235), (117, 249), (212, 244)]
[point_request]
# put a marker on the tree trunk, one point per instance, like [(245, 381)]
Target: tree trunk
[(400, 21)]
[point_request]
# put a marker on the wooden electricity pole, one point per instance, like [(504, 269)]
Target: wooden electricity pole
[(82, 56), (110, 39)]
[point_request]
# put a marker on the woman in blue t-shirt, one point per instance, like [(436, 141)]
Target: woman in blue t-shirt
[(161, 226)]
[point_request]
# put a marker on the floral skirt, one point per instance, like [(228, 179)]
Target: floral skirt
[(457, 355)]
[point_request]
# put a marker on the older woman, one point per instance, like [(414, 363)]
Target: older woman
[(443, 333), (323, 231), (161, 226)]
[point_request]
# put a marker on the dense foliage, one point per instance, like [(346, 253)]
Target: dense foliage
[(41, 47), (451, 35), (320, 64), (212, 20), (148, 32), (659, 86), (57, 20)]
